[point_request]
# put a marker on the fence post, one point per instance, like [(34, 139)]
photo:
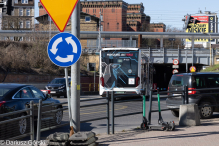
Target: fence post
[(186, 94), (107, 96), (112, 111), (39, 119), (150, 106), (32, 121)]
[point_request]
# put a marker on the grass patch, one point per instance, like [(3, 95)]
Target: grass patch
[(214, 68)]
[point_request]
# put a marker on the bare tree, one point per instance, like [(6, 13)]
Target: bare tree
[(173, 43)]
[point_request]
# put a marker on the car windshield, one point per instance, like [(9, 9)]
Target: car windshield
[(58, 81), (179, 80), (4, 90)]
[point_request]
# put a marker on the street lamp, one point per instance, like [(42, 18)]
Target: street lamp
[(210, 48)]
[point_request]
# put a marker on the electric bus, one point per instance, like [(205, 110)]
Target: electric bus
[(121, 70)]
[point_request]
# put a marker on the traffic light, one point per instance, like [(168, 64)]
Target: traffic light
[(10, 6), (188, 20)]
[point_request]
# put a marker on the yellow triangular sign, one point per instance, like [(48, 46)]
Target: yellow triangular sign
[(59, 11), (192, 69)]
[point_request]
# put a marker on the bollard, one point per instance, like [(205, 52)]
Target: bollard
[(107, 112), (150, 106), (158, 100), (112, 111), (39, 119), (184, 94), (32, 121)]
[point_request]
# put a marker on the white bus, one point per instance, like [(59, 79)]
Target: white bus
[(122, 71)]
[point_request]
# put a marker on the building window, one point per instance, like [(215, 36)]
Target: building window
[(28, 24), (21, 24), (20, 12), (101, 28), (21, 39), (113, 10), (93, 10), (27, 12), (24, 1), (86, 10), (16, 1), (107, 25), (156, 30), (12, 38), (5, 24), (117, 25), (87, 18), (11, 24), (101, 17)]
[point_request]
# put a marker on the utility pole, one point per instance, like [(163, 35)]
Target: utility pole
[(99, 46), (75, 73)]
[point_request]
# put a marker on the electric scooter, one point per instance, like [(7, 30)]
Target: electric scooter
[(161, 124)]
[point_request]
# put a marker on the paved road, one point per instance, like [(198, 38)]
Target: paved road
[(121, 123)]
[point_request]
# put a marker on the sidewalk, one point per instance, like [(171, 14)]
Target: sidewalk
[(207, 134)]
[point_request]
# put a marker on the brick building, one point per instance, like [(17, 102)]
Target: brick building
[(116, 15), (158, 27), (21, 18), (87, 23), (136, 18)]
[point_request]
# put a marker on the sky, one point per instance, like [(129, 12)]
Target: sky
[(169, 12)]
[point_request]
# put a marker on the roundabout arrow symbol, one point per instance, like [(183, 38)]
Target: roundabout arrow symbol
[(64, 60), (55, 44), (69, 40)]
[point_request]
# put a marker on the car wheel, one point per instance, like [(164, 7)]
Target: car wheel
[(58, 117), (58, 96), (175, 113), (22, 124), (207, 111)]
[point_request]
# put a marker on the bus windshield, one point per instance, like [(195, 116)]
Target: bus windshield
[(119, 68)]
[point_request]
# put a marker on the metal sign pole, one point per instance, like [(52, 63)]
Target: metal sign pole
[(94, 75), (75, 73), (68, 96)]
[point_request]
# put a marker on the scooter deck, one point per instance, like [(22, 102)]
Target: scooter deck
[(156, 127)]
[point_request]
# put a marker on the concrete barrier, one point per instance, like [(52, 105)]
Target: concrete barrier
[(189, 115)]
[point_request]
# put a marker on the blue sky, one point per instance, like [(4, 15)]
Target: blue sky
[(169, 12)]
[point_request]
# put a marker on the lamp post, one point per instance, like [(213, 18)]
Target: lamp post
[(210, 49)]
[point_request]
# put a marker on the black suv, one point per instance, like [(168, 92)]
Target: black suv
[(197, 80), (57, 87)]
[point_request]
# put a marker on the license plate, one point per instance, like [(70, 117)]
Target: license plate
[(177, 94), (120, 92), (53, 92)]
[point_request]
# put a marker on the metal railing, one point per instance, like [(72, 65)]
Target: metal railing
[(6, 133), (52, 125)]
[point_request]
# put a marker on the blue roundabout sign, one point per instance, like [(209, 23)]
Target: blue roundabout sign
[(64, 49)]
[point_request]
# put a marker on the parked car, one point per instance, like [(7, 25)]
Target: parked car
[(15, 97), (57, 87), (197, 80)]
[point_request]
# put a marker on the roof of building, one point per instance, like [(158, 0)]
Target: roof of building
[(45, 16)]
